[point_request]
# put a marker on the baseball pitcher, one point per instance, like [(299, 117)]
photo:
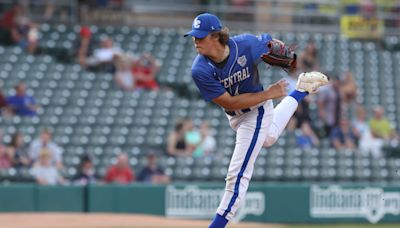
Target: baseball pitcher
[(225, 71)]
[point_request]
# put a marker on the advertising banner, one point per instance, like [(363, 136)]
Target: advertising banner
[(358, 27)]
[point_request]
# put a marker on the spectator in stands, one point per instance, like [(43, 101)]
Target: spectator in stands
[(21, 103), (192, 135), (8, 21), (120, 172), (84, 45), (303, 110), (302, 113), (24, 33), (360, 123), (8, 17), (348, 91), (3, 104), (308, 59), (124, 77), (5, 156), (343, 136), (152, 173), (86, 174), (380, 126), (18, 148), (176, 144), (306, 138), (207, 144), (45, 142), (366, 143), (329, 104), (102, 58), (145, 70), (44, 172)]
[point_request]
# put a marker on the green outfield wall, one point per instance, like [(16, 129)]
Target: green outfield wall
[(274, 203)]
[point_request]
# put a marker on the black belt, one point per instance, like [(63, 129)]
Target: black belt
[(234, 113)]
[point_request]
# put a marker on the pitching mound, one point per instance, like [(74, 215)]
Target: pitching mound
[(62, 220)]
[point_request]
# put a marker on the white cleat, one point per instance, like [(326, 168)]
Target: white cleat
[(311, 81)]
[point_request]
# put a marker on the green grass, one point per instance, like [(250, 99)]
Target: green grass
[(393, 225)]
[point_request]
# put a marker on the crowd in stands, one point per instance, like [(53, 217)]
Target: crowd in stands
[(19, 29), (369, 134), (138, 71), (187, 140), (44, 159), (335, 121), (132, 71)]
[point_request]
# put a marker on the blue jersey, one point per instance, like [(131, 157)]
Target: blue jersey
[(240, 73), (20, 104)]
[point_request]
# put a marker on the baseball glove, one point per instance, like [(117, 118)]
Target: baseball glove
[(280, 55)]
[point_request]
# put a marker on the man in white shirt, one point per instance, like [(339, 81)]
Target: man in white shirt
[(44, 142), (104, 56)]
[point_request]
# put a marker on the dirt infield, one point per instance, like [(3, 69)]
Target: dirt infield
[(62, 220)]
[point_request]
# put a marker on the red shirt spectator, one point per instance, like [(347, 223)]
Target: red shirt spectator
[(3, 102), (144, 71), (146, 81), (84, 45), (121, 172), (7, 21), (5, 158)]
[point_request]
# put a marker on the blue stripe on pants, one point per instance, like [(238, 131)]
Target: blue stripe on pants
[(246, 160)]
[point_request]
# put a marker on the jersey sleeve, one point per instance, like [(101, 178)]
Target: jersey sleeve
[(258, 45), (32, 100), (10, 100), (209, 87)]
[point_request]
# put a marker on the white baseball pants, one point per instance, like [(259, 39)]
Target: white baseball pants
[(260, 127)]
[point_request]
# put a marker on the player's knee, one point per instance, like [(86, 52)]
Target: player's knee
[(230, 182), (270, 140)]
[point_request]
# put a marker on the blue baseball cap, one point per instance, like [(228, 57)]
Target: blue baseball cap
[(203, 24)]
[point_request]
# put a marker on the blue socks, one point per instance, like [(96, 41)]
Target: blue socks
[(298, 95), (218, 222)]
